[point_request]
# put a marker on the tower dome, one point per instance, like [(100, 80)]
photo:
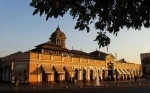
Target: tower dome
[(58, 37), (58, 33)]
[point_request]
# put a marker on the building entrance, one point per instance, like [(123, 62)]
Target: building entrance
[(110, 72), (91, 75), (67, 76), (84, 75), (56, 77), (44, 77), (76, 74)]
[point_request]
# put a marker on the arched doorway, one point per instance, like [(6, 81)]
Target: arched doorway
[(76, 74), (110, 71), (67, 76), (134, 73), (103, 74), (91, 75), (56, 77), (137, 74), (84, 74), (44, 77)]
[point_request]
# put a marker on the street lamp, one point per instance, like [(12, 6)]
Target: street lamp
[(11, 69)]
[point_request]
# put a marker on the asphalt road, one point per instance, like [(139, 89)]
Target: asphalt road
[(87, 88), (135, 89)]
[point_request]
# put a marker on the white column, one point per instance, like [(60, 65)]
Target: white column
[(38, 73), (71, 59), (63, 77), (49, 77), (52, 77), (101, 74), (94, 74), (79, 75), (51, 57)]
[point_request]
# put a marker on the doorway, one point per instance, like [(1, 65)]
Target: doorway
[(110, 72), (84, 75), (44, 77), (91, 75), (67, 76), (76, 74), (56, 77)]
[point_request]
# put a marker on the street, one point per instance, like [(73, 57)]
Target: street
[(140, 86), (137, 89)]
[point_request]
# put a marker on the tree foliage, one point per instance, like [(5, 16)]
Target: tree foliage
[(107, 15)]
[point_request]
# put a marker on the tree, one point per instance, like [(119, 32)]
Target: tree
[(107, 15)]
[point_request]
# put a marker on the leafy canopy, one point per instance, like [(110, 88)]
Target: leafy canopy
[(107, 15)]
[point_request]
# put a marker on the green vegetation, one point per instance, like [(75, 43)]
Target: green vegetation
[(107, 15)]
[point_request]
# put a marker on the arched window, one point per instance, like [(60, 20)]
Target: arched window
[(109, 67)]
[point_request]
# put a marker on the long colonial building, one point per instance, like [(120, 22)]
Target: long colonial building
[(52, 62)]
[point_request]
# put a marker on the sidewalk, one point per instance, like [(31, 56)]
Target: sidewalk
[(77, 86)]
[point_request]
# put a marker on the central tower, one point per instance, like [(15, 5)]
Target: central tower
[(58, 37)]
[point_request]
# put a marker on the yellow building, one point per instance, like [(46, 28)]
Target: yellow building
[(52, 62)]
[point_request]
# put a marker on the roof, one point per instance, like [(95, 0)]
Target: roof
[(52, 46), (97, 53), (111, 55), (79, 52), (48, 43)]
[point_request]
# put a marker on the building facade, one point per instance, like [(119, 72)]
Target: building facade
[(145, 62), (51, 62)]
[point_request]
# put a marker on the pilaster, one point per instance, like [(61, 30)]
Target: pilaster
[(94, 74), (88, 74), (100, 74), (80, 60), (79, 74), (62, 58), (51, 57), (71, 59)]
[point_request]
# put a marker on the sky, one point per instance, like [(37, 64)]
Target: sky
[(21, 31)]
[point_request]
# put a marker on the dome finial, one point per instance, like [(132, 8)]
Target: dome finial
[(58, 27)]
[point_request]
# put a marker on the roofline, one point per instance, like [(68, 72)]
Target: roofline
[(145, 53)]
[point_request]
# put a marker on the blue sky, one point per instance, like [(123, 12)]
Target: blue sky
[(21, 31)]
